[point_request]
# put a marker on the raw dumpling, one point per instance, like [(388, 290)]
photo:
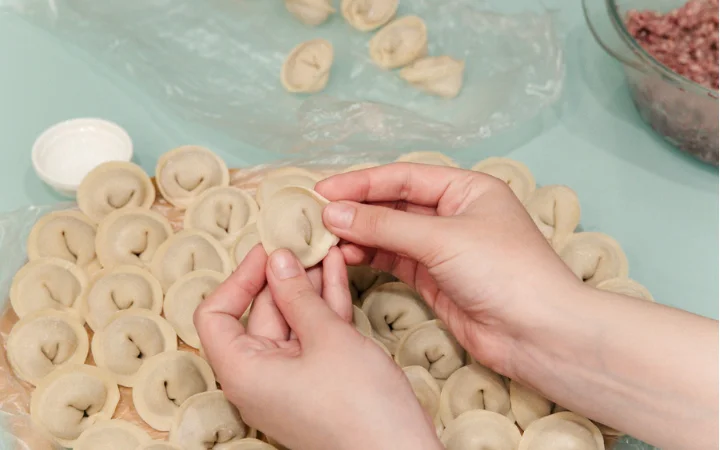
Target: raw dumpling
[(594, 257), (363, 278), (515, 174), (436, 75), (71, 399), (44, 341), (562, 431), (248, 444), (245, 241), (48, 283), (556, 212), (114, 185), (481, 430), (206, 420), (626, 286), (113, 434), (473, 387), (310, 12), (284, 177), (159, 445), (223, 212), (131, 236), (165, 381), (307, 68), (361, 166), (367, 15), (399, 43), (186, 172), (188, 251), (528, 405), (427, 392), (183, 298), (68, 235), (431, 158), (361, 322), (128, 340)]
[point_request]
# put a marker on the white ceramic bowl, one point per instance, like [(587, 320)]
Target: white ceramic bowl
[(64, 153)]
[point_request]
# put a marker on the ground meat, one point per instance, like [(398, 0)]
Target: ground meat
[(685, 39)]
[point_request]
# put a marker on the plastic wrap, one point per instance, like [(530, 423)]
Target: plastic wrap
[(217, 63)]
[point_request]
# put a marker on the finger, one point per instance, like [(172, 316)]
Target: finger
[(336, 291), (315, 275), (265, 318)]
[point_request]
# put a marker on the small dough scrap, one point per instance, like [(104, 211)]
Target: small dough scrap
[(399, 43), (284, 177), (183, 298), (223, 212), (481, 430), (307, 68), (555, 210), (363, 278), (528, 405), (188, 251), (367, 15), (562, 431), (68, 235), (310, 12), (71, 399), (165, 382), (186, 172), (208, 420), (159, 445), (131, 236), (427, 391), (43, 341), (246, 444), (514, 173), (361, 322), (114, 185), (129, 339), (594, 257), (436, 75), (626, 286), (248, 238), (430, 158), (48, 283), (473, 387), (115, 434), (292, 219)]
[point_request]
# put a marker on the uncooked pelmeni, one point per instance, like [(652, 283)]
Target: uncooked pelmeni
[(514, 173), (188, 251), (223, 212), (555, 210), (284, 177), (367, 15), (129, 339), (528, 405), (71, 399), (473, 387), (399, 43), (626, 286), (245, 241), (307, 68), (361, 322), (481, 430), (247, 444), (68, 235), (292, 219), (186, 172), (431, 158), (594, 257), (115, 434), (159, 445), (363, 278), (43, 341), (436, 75), (165, 381), (131, 236), (393, 308), (562, 431), (361, 166), (207, 420), (114, 185), (430, 345), (48, 283), (427, 392), (310, 12)]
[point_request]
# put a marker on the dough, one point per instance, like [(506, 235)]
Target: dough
[(556, 212), (207, 420), (431, 158), (361, 166), (427, 392), (363, 278), (307, 68), (118, 289), (436, 75), (165, 381), (223, 212), (245, 241), (68, 235), (594, 257), (129, 339), (430, 345), (393, 308), (43, 341), (310, 12), (47, 283), (159, 445), (284, 177), (367, 15), (131, 236), (292, 219), (113, 434), (516, 174), (481, 430), (71, 399), (361, 322), (186, 172), (626, 286), (473, 387), (188, 251), (528, 405), (246, 444), (399, 43), (114, 185), (183, 298), (562, 431)]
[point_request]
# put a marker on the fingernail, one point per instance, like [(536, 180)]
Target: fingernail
[(284, 264), (340, 215)]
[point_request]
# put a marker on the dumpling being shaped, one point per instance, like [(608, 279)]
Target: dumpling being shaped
[(562, 431), (626, 286), (473, 387), (399, 43), (248, 238), (115, 434), (284, 177), (480, 429), (555, 210), (223, 212), (68, 235), (436, 75), (594, 257), (184, 173), (427, 392), (367, 15), (307, 68), (514, 173), (431, 158), (310, 12)]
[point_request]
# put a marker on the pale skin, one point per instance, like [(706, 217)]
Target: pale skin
[(302, 374)]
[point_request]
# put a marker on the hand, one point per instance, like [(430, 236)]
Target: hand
[(300, 372)]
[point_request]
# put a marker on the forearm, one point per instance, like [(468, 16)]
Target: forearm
[(643, 368)]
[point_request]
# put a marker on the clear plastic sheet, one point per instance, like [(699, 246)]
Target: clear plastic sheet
[(217, 63)]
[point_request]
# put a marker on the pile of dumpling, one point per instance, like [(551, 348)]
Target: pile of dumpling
[(120, 267)]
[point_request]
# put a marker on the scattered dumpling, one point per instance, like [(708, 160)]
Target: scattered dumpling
[(223, 212), (360, 166), (367, 15), (284, 177), (626, 286), (528, 405), (310, 12), (594, 257), (427, 392), (399, 43), (431, 158), (245, 241), (68, 235), (555, 210), (307, 68), (473, 387), (363, 278), (481, 429), (430, 345), (186, 172), (562, 431), (115, 434), (514, 173), (437, 75), (361, 322), (48, 283)]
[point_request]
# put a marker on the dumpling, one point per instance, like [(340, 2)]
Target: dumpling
[(159, 445), (556, 212), (473, 387), (245, 241), (431, 158), (361, 166), (165, 381), (284, 177), (430, 345), (363, 278), (528, 405), (47, 283), (43, 341), (427, 392), (399, 43), (361, 322), (562, 431), (292, 219), (248, 444), (71, 399), (186, 172), (310, 12), (626, 286), (207, 420), (183, 298), (131, 236), (68, 235), (393, 308), (594, 257), (436, 75), (367, 15), (514, 173), (128, 340), (481, 430), (188, 251), (115, 434), (223, 212), (307, 68)]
